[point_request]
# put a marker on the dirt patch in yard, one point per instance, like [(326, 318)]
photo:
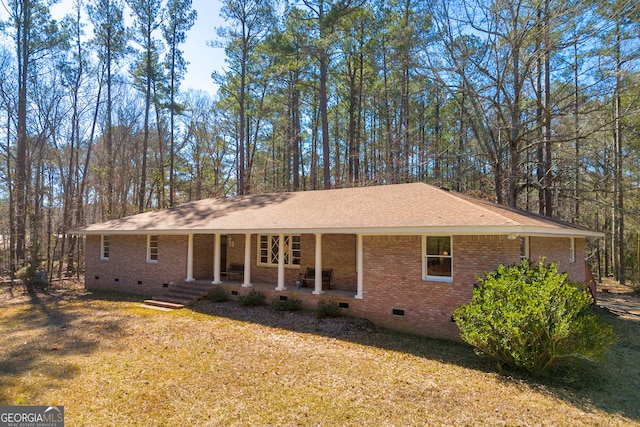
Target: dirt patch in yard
[(621, 300)]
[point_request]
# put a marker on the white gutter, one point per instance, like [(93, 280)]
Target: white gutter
[(366, 231)]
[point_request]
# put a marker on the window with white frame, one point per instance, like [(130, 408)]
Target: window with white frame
[(524, 247), (269, 248), (438, 258), (104, 248), (152, 249), (572, 250)]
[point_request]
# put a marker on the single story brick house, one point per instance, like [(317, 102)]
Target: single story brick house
[(403, 256)]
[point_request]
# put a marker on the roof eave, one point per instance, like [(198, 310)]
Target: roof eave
[(445, 230)]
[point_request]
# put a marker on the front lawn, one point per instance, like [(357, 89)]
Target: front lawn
[(110, 362)]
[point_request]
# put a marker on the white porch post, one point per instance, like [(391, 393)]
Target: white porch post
[(360, 261), (190, 259), (216, 259), (247, 261), (318, 267), (281, 286)]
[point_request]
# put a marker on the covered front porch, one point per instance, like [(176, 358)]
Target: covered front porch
[(278, 261)]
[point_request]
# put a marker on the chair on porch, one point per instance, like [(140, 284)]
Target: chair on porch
[(310, 278), (234, 270)]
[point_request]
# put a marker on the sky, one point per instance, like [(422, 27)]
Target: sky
[(202, 59)]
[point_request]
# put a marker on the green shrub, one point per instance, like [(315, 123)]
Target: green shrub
[(327, 308), (218, 295), (286, 305), (532, 317), (251, 299)]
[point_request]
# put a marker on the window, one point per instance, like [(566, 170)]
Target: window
[(524, 247), (104, 248), (572, 251), (438, 258), (268, 249), (152, 249)]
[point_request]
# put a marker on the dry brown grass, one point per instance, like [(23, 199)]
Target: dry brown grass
[(110, 362)]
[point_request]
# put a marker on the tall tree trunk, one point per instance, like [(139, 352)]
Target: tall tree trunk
[(145, 141), (70, 195), (540, 120), (324, 107), (462, 127), (391, 148), (324, 119), (314, 147), (437, 143), (576, 124), (351, 127), (109, 142), (548, 173), (295, 129), (162, 196), (241, 115), (11, 191), (358, 136), (516, 120), (22, 38), (618, 160), (172, 124)]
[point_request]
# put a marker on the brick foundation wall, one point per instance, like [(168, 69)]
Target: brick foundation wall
[(308, 300), (127, 269)]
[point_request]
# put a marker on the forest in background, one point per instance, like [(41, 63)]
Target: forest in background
[(531, 104)]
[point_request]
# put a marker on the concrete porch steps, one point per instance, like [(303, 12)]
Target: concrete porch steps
[(180, 295), (159, 306)]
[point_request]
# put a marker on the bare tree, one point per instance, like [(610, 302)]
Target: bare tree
[(33, 33), (110, 42)]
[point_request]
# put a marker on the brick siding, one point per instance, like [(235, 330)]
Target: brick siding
[(127, 269), (392, 276), (556, 249)]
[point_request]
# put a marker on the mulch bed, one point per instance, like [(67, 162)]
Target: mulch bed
[(299, 321)]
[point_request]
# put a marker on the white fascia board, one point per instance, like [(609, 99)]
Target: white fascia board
[(444, 231), (371, 231), (484, 231)]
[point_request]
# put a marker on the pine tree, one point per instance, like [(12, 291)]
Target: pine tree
[(178, 20), (110, 43), (250, 22)]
